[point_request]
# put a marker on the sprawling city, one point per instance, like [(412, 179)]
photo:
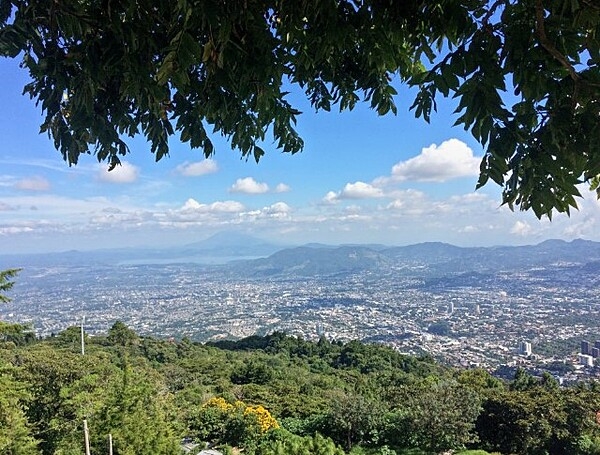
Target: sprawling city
[(487, 312)]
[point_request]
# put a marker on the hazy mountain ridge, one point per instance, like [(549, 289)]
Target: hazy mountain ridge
[(252, 257), (431, 258)]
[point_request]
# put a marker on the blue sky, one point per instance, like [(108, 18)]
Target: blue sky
[(361, 179)]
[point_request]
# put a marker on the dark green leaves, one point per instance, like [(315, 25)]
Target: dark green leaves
[(6, 282), (104, 70)]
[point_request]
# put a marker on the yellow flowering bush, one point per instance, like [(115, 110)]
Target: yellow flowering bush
[(219, 403), (264, 418), (221, 421)]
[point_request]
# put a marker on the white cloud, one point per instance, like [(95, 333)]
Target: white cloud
[(330, 198), (125, 173), (191, 205), (360, 190), (226, 206), (451, 159), (356, 190), (11, 230), (522, 228), (279, 210), (282, 188), (408, 199), (33, 184), (248, 185), (198, 168)]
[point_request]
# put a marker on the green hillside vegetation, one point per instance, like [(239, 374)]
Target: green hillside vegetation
[(270, 395)]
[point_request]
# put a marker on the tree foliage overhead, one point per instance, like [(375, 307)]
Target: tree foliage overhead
[(525, 75)]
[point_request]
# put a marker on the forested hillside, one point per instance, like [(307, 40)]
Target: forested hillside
[(272, 395)]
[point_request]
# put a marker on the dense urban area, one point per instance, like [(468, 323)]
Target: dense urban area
[(533, 316)]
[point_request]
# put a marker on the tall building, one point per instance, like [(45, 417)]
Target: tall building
[(451, 308), (597, 344), (525, 348), (585, 347), (586, 360), (595, 352)]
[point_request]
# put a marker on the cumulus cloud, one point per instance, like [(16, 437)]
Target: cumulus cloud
[(248, 185), (451, 159), (125, 173), (282, 188), (404, 199), (522, 228), (198, 168), (191, 205), (330, 198), (33, 184), (356, 190), (360, 190), (277, 210)]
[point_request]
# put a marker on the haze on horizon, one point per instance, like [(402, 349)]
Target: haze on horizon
[(361, 179)]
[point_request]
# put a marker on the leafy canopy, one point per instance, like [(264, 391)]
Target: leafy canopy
[(6, 283), (525, 75)]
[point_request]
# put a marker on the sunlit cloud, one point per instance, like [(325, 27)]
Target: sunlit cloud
[(125, 173), (360, 190), (198, 168), (218, 206), (282, 188), (356, 190), (278, 210), (248, 185), (521, 228), (450, 160)]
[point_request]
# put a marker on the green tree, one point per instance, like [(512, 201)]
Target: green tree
[(18, 334), (47, 370), (354, 419), (540, 419), (129, 403), (525, 76), (285, 443), (436, 415), (121, 335), (6, 282), (15, 431)]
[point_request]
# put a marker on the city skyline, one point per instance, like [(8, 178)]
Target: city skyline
[(361, 179)]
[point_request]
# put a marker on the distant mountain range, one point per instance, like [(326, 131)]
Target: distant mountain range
[(217, 249), (252, 257), (429, 259)]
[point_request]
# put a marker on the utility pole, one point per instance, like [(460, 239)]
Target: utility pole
[(82, 336), (86, 437), (110, 452)]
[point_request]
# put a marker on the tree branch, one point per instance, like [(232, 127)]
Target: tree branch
[(546, 44)]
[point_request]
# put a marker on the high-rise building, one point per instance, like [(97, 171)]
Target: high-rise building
[(595, 352), (597, 344), (525, 348), (585, 347), (451, 308), (586, 360)]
